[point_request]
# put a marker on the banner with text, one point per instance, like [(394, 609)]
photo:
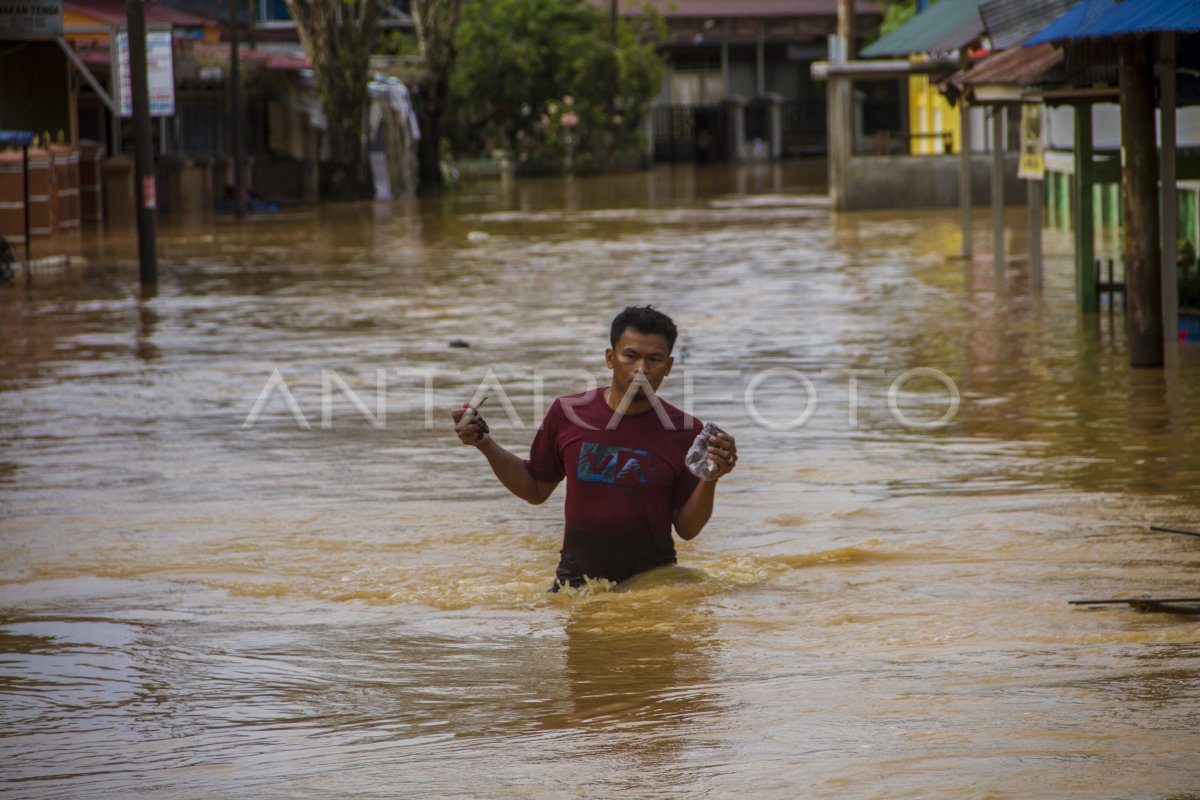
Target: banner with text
[(1033, 162), (31, 19), (160, 72)]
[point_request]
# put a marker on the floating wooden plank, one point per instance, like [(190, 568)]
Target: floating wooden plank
[(1163, 529), (1170, 605)]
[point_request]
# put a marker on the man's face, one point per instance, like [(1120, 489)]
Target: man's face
[(647, 353)]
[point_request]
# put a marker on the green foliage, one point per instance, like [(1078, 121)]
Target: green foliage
[(541, 78), (1185, 252), (896, 14), (338, 37), (398, 43)]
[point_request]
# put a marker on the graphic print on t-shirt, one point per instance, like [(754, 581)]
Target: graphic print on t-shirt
[(616, 466)]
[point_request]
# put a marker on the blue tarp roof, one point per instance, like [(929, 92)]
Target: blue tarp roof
[(15, 138), (1099, 18)]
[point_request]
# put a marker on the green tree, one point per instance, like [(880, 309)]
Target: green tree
[(436, 22), (895, 14), (338, 36), (542, 78)]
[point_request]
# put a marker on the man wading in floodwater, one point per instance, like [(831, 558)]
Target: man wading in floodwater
[(621, 449)]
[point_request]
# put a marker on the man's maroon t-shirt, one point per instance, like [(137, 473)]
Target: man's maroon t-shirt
[(623, 485)]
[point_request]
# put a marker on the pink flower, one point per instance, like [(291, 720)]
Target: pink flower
[(568, 100), (570, 120)]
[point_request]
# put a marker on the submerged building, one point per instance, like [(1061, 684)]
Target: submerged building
[(738, 84)]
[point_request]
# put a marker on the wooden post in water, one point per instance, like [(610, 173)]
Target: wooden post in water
[(1139, 182), (1033, 198), (25, 206), (1170, 195), (964, 174), (840, 116), (998, 189), (235, 113), (143, 148), (1081, 210)]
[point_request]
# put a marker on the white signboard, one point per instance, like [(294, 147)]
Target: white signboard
[(21, 19), (160, 72), (1032, 166)]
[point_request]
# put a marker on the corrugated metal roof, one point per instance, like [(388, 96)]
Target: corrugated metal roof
[(1020, 66), (1085, 64), (966, 32), (948, 25), (1009, 22), (1101, 18)]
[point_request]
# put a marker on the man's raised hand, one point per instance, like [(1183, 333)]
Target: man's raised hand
[(473, 430)]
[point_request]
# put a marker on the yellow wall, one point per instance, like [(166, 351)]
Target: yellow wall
[(928, 112), (75, 18)]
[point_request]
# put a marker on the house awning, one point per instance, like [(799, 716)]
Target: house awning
[(1086, 71), (948, 25), (114, 12), (1007, 77), (1015, 67), (98, 57)]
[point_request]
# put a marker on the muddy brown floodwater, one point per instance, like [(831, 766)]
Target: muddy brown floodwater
[(196, 604)]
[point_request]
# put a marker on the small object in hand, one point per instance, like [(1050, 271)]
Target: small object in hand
[(484, 430), (471, 414), (697, 460)]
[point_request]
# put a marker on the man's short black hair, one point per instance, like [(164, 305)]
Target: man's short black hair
[(647, 320)]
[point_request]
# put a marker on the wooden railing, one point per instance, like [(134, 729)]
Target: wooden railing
[(884, 140)]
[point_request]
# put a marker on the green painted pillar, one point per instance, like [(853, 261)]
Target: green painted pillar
[(1084, 216), (1065, 191), (1054, 201), (1188, 229), (1048, 185)]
